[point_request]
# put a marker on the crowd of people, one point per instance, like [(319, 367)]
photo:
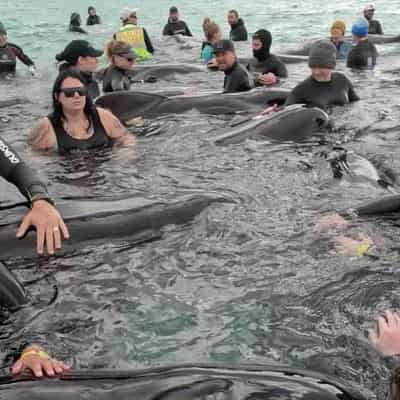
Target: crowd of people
[(75, 123)]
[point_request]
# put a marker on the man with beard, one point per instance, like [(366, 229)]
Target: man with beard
[(265, 67), (175, 26), (375, 27), (238, 29)]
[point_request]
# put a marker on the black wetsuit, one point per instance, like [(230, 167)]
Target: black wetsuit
[(237, 79), (15, 171), (271, 64), (375, 27), (93, 20), (176, 28), (338, 91), (77, 29), (362, 56), (115, 79), (8, 58), (66, 143), (91, 84), (238, 32)]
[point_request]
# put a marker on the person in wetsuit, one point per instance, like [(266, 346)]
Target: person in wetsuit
[(175, 26), (213, 34), (75, 24), (93, 18), (9, 53), (134, 35), (343, 47), (75, 123), (375, 27), (238, 31), (82, 56), (364, 54), (324, 87), (118, 75), (265, 67), (237, 78)]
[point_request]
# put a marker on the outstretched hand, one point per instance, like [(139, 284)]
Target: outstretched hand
[(386, 338), (50, 227)]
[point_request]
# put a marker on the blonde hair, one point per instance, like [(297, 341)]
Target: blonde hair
[(210, 28), (112, 47)]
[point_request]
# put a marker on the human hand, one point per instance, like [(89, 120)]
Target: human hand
[(48, 223), (267, 79), (38, 362), (212, 64), (270, 110), (329, 221), (386, 338)]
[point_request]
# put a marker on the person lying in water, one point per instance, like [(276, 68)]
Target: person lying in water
[(75, 123), (325, 87), (237, 78), (265, 67), (43, 216)]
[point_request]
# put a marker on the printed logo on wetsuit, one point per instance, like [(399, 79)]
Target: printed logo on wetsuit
[(8, 153)]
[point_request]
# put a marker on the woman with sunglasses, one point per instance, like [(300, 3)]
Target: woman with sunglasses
[(117, 76), (75, 123)]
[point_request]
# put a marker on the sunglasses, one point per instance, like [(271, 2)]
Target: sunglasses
[(70, 92)]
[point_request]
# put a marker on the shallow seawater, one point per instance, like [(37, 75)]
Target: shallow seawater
[(246, 281)]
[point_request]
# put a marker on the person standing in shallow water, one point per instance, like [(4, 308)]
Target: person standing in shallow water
[(175, 26), (364, 54), (343, 47), (375, 27), (9, 53), (265, 67), (213, 34), (325, 87), (81, 55), (93, 18), (238, 29), (237, 79), (75, 24), (75, 123)]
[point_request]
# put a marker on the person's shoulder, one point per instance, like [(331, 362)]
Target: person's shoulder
[(276, 59), (304, 84), (13, 45)]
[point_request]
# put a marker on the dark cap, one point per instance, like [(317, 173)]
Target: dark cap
[(125, 51), (3, 30), (76, 49), (173, 10), (223, 46)]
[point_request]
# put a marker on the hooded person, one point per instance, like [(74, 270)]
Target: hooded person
[(338, 30), (175, 26), (238, 29), (325, 87), (9, 53), (81, 55), (93, 18), (75, 24), (364, 54), (265, 67), (375, 27)]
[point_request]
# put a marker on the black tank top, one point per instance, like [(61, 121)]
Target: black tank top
[(66, 143)]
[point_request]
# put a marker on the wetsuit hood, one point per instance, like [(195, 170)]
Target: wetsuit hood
[(75, 19), (266, 39)]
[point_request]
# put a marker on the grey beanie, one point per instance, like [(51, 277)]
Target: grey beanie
[(2, 29), (322, 54)]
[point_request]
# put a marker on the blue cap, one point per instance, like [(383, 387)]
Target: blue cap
[(360, 27)]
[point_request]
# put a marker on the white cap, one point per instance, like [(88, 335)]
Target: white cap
[(126, 12), (370, 7)]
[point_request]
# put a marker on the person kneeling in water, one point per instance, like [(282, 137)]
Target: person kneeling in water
[(75, 123), (324, 87), (93, 18), (117, 76), (265, 67), (237, 78)]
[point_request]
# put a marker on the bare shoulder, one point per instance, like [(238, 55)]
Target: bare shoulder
[(42, 135), (113, 126)]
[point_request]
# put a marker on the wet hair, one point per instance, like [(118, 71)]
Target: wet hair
[(91, 8), (113, 46), (75, 19), (234, 12), (210, 29), (57, 107)]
